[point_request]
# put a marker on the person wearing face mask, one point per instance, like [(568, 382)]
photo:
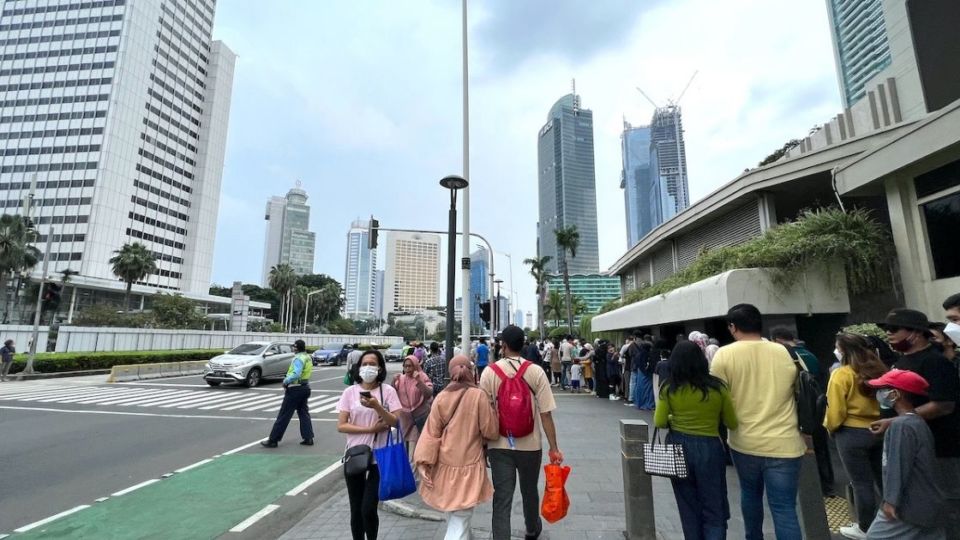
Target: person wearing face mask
[(296, 393), (851, 408), (912, 499), (366, 409), (942, 337), (908, 332)]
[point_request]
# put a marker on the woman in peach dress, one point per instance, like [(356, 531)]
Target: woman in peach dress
[(450, 454)]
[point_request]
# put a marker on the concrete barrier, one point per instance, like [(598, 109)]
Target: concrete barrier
[(170, 369), (637, 485), (149, 371), (124, 373), (136, 372), (194, 367)]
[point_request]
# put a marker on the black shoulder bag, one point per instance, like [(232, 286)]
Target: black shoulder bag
[(357, 459)]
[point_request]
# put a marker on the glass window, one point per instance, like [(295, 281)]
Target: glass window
[(943, 225)]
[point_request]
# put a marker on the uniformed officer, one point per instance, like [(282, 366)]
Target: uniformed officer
[(296, 393)]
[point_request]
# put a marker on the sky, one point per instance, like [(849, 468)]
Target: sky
[(361, 101)]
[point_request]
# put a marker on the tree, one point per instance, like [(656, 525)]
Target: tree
[(175, 311), (16, 253), (282, 279), (553, 307), (342, 326), (568, 239), (132, 262), (779, 152), (538, 269)]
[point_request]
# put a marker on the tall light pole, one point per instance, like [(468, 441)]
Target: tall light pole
[(453, 183), (497, 323), (32, 353), (306, 309), (465, 228)]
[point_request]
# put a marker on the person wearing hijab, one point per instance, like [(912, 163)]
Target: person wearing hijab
[(700, 339), (713, 345), (415, 391), (450, 455)]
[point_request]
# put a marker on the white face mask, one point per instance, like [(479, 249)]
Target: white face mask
[(838, 355), (369, 373), (952, 331)]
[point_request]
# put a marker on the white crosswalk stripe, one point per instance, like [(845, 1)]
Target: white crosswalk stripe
[(142, 396)]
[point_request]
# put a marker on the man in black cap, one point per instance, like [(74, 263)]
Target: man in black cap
[(908, 332)]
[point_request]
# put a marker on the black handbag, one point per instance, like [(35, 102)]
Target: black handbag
[(357, 460)]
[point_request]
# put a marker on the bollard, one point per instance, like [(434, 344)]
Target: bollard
[(811, 510), (637, 485)]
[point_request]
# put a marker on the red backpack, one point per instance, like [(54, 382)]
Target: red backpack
[(514, 403)]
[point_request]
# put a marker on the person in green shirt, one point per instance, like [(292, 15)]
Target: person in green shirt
[(692, 403)]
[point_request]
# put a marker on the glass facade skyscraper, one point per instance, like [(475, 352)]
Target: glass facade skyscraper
[(479, 282), (859, 44), (288, 239), (567, 184), (595, 290), (641, 197), (360, 281), (668, 159)]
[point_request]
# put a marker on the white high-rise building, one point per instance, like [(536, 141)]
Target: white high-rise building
[(118, 111), (360, 281), (288, 239), (412, 276)]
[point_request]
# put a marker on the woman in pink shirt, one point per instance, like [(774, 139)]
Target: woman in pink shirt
[(450, 456), (366, 410), (415, 390)]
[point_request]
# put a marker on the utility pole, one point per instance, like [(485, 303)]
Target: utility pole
[(465, 227), (36, 315)]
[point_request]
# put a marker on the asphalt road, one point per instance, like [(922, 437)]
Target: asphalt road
[(68, 442)]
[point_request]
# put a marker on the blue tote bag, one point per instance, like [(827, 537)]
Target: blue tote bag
[(396, 476)]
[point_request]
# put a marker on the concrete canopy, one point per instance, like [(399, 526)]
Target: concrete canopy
[(816, 291)]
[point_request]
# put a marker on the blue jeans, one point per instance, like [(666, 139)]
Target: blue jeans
[(779, 476), (633, 387), (702, 495), (643, 391)]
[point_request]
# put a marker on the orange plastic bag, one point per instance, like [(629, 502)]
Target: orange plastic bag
[(555, 500)]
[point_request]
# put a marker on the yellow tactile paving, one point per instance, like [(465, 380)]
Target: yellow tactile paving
[(838, 512)]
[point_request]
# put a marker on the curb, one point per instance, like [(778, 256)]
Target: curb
[(137, 372), (58, 374), (407, 510)]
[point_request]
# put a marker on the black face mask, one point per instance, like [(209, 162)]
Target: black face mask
[(937, 346), (904, 345)]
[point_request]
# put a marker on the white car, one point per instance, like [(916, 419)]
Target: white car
[(250, 363)]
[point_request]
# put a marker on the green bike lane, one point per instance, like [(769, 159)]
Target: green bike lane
[(206, 501)]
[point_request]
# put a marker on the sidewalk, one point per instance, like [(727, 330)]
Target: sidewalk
[(588, 432)]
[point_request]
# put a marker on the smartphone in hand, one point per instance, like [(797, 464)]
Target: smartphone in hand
[(365, 394)]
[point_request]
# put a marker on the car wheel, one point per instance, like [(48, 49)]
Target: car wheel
[(253, 378), (214, 383)]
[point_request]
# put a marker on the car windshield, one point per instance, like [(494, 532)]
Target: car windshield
[(249, 349), (333, 346)]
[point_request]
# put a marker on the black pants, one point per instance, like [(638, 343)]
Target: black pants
[(294, 400), (505, 466), (364, 493), (821, 448)]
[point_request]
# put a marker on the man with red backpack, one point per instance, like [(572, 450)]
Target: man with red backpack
[(524, 402)]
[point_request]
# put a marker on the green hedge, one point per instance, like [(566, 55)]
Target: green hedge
[(79, 361)]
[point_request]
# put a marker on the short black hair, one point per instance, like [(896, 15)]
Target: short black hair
[(513, 337), (299, 345), (784, 333), (746, 318), (434, 347), (952, 301), (355, 368)]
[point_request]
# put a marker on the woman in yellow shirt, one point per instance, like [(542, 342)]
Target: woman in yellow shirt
[(851, 407)]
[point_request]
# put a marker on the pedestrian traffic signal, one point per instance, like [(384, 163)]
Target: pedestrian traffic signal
[(372, 233), (485, 312)]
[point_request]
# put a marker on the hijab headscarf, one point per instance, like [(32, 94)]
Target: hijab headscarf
[(410, 395), (461, 373), (700, 339)]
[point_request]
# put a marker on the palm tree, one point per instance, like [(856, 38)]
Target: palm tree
[(132, 262), (538, 269), (553, 307), (16, 254), (282, 279), (568, 239), (65, 276)]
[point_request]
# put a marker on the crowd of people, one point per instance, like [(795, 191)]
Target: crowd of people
[(889, 406)]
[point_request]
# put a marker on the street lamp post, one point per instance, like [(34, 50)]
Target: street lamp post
[(32, 353), (453, 183), (306, 309), (465, 263), (496, 309)]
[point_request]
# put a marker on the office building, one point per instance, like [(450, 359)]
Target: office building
[(288, 239), (641, 196), (503, 312), (567, 184), (412, 276), (529, 323), (479, 282), (860, 44), (116, 112), (360, 281), (378, 294), (517, 318), (668, 161), (594, 290)]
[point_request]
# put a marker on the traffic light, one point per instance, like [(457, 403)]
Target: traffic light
[(485, 312), (51, 296), (372, 233)]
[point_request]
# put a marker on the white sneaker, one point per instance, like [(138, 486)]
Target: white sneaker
[(614, 398), (853, 531)]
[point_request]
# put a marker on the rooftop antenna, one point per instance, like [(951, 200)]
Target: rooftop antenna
[(576, 98)]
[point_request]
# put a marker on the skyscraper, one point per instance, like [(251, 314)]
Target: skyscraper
[(859, 44), (479, 282), (117, 112), (360, 281), (567, 184), (640, 194), (412, 278), (289, 240), (668, 161)]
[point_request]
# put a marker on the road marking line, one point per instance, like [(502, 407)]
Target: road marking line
[(38, 393), (194, 403), (92, 398), (149, 394), (194, 466), (243, 525), (340, 378), (102, 499), (262, 405), (157, 415), (135, 487), (36, 524), (195, 399), (250, 401), (241, 448), (313, 479), (176, 396), (328, 407), (272, 409), (76, 395)]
